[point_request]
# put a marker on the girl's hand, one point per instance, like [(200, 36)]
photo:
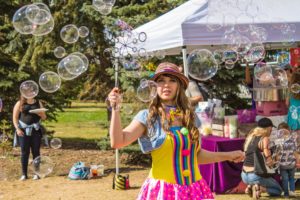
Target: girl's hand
[(20, 132), (115, 98), (236, 156)]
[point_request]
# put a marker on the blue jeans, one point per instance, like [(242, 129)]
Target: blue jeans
[(272, 186), (287, 176)]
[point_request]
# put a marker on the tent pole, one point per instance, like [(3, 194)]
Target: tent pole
[(184, 57), (116, 65)]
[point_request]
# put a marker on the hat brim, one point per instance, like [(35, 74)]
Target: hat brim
[(180, 76)]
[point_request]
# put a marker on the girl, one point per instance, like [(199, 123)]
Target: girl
[(167, 131), (287, 161), (259, 138), (28, 130)]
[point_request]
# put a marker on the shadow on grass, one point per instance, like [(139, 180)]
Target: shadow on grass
[(79, 143)]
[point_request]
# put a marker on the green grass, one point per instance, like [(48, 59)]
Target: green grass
[(83, 121)]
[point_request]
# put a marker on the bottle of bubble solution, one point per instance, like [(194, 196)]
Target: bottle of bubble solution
[(100, 170)]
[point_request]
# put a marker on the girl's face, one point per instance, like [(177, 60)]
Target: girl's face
[(167, 87)]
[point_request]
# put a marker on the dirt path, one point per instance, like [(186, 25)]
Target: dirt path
[(58, 187)]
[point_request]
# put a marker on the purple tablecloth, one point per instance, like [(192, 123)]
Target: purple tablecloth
[(223, 175)]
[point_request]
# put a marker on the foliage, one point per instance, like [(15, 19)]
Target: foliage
[(5, 146)]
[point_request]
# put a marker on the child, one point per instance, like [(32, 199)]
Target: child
[(167, 131), (287, 160)]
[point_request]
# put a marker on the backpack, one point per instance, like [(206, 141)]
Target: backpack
[(79, 171)]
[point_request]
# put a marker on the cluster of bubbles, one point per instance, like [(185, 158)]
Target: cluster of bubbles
[(243, 39), (42, 166), (55, 143), (68, 68), (35, 19), (70, 33), (270, 76), (104, 7)]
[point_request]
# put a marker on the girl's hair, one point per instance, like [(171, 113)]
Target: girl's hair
[(295, 79), (256, 132), (23, 100), (156, 110)]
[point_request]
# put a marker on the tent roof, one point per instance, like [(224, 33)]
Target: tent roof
[(186, 25)]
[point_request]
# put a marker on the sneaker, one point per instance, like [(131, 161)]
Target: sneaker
[(23, 178), (292, 194), (35, 177)]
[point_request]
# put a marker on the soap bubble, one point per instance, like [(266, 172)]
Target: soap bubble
[(56, 143), (83, 31), (84, 59), (37, 15), (127, 109), (73, 64), (280, 77), (29, 89), (59, 52), (3, 138), (21, 23), (295, 88), (202, 64), (230, 56), (147, 91), (44, 29), (69, 33), (50, 82), (42, 166)]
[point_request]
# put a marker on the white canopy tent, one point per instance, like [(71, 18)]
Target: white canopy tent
[(185, 27)]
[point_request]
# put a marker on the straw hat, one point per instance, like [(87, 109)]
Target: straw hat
[(170, 69)]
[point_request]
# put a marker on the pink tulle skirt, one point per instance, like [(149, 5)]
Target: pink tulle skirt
[(153, 189)]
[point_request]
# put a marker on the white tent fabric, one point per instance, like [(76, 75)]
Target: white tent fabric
[(186, 25)]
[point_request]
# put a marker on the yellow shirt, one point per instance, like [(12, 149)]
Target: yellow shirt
[(176, 160)]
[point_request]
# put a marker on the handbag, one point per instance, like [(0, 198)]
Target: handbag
[(260, 164)]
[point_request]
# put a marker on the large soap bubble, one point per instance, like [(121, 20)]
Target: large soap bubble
[(42, 166), (263, 73), (69, 33), (44, 29), (73, 64), (37, 15), (64, 73), (147, 91), (21, 23), (202, 65), (50, 82), (84, 59), (280, 77), (29, 89)]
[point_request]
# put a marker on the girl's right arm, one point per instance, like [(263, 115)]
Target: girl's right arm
[(16, 113), (118, 137)]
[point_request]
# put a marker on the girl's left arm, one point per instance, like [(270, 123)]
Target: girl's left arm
[(207, 157)]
